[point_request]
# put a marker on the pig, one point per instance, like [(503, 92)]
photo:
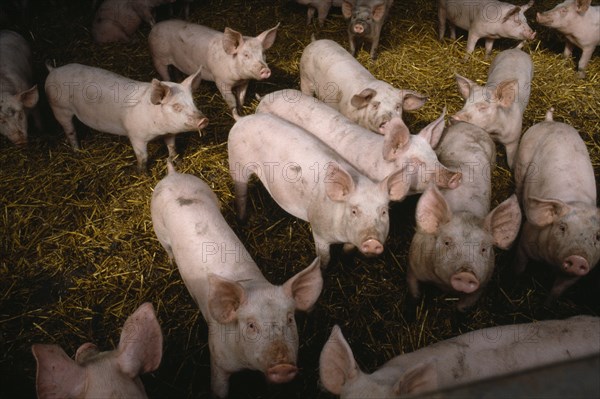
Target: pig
[(498, 106), (115, 104), (373, 155), (118, 20), (95, 374), (365, 20), (322, 8), (556, 186), (313, 183), (340, 81), (250, 321), (476, 355), (580, 23), (18, 94), (489, 19), (456, 231), (229, 59)]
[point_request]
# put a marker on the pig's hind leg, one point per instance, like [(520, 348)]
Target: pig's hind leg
[(65, 118)]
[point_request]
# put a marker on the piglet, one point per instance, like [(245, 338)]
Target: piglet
[(456, 231), (340, 81), (250, 321), (229, 59), (365, 20), (498, 106), (580, 23), (373, 155), (118, 20), (18, 94), (313, 183), (321, 7), (476, 355), (115, 104), (94, 374), (489, 19), (556, 186)]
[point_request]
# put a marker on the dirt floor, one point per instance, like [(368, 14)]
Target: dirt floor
[(78, 252)]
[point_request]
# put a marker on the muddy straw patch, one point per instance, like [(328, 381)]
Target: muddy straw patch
[(78, 253)]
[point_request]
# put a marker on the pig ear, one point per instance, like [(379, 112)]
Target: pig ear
[(513, 12), (232, 40), (336, 363), (504, 221), (29, 98), (465, 86), (140, 346), (193, 81), (338, 182), (421, 378), (432, 133), (58, 376), (396, 185), (506, 92), (411, 100), (394, 142), (224, 298), (363, 98), (347, 9), (542, 212), (305, 287), (528, 6), (85, 352), (268, 37), (432, 210), (583, 5), (378, 12), (160, 91)]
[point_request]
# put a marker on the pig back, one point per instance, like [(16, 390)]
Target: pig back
[(553, 162), (470, 149), (186, 213), (15, 63), (513, 64)]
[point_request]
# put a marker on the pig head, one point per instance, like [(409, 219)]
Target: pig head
[(13, 112), (95, 374), (365, 20)]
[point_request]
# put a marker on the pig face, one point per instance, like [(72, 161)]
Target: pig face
[(95, 374), (379, 109), (569, 236), (362, 17), (515, 24), (248, 52), (486, 106), (264, 319), (177, 103), (341, 375), (13, 118), (564, 15)]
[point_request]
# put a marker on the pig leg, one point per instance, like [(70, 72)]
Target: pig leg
[(452, 31), (240, 92), (241, 198), (468, 301), (144, 12), (374, 46), (141, 152), (511, 152), (162, 69), (561, 283), (352, 45), (65, 118), (227, 93), (442, 22), (170, 143), (568, 49), (413, 283), (322, 247), (310, 13), (522, 258), (489, 44), (471, 42), (219, 379), (586, 55), (322, 12), (307, 86)]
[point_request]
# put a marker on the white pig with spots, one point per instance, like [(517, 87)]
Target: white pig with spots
[(228, 58), (374, 155), (251, 321), (313, 183), (18, 94), (579, 22), (94, 374), (470, 357), (499, 105), (339, 80), (365, 20), (556, 186), (456, 231), (115, 104), (489, 19)]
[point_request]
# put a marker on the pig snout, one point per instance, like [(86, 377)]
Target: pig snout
[(529, 34), (371, 247), (576, 265), (464, 282), (265, 72), (358, 28), (281, 373)]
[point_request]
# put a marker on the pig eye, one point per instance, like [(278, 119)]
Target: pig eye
[(384, 212), (562, 228), (251, 326), (483, 250), (375, 104), (447, 242), (290, 319), (598, 236), (246, 55)]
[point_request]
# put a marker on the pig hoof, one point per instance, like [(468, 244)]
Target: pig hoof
[(581, 74)]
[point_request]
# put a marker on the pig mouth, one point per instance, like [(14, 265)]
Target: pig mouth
[(281, 373)]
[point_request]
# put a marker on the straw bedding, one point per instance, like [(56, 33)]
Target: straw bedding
[(78, 253)]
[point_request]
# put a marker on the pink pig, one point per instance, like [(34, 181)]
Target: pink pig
[(94, 374)]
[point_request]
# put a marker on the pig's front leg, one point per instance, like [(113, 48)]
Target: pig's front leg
[(323, 250), (170, 143), (227, 93), (374, 46), (144, 12), (561, 283), (472, 40), (511, 152), (413, 283), (568, 49), (240, 92), (240, 189), (452, 31), (141, 152), (489, 44), (219, 380), (352, 44), (586, 55), (467, 301)]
